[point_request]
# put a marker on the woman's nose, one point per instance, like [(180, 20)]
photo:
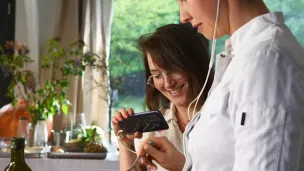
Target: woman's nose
[(168, 81), (185, 17)]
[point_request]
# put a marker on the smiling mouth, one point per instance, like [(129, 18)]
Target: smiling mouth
[(176, 91), (197, 26)]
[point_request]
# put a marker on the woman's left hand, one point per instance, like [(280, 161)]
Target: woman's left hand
[(163, 152)]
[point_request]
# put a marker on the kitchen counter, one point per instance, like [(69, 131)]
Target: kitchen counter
[(111, 163)]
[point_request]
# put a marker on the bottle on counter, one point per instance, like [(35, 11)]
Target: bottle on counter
[(17, 162)]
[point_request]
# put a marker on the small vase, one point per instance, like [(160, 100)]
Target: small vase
[(41, 133)]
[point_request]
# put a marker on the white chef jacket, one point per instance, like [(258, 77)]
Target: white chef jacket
[(253, 117)]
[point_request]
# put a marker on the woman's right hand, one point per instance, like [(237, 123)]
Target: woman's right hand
[(120, 115), (163, 152)]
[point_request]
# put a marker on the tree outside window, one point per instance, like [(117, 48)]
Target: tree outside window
[(133, 18), (293, 11)]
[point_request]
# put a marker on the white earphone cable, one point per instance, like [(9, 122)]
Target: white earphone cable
[(210, 64), (119, 138)]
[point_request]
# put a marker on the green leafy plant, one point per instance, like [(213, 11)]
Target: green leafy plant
[(58, 65), (90, 139), (89, 133)]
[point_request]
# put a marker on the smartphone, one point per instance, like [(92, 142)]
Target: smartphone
[(144, 122)]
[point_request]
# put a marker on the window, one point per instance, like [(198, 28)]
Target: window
[(293, 11), (133, 18), (293, 14)]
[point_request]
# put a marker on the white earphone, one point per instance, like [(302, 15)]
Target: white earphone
[(210, 64)]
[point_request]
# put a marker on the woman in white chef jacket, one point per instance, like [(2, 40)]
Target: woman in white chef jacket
[(253, 119)]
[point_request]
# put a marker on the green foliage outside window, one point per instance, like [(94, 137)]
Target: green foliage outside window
[(293, 11), (133, 18)]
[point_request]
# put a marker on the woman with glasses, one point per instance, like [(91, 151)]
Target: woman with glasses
[(176, 66)]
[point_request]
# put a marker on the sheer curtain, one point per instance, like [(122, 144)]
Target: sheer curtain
[(71, 20), (97, 30)]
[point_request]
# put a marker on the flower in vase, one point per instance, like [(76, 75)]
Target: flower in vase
[(75, 62), (9, 45), (30, 81), (80, 43), (21, 49), (6, 69)]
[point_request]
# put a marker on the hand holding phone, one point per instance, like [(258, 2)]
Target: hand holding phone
[(144, 122)]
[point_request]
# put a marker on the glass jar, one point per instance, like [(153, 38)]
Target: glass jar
[(23, 129), (80, 120), (41, 133)]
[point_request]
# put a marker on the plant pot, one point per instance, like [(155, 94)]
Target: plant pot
[(9, 118)]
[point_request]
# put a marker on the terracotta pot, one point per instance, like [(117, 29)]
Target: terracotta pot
[(9, 118)]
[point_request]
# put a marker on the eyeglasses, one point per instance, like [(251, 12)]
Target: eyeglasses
[(159, 79)]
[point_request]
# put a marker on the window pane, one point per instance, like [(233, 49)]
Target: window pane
[(133, 18), (293, 11), (293, 14)]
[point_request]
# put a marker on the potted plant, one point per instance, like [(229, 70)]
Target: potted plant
[(47, 96)]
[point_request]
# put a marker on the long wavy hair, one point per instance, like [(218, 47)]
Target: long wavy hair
[(176, 48)]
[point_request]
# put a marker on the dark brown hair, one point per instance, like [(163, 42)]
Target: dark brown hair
[(176, 48)]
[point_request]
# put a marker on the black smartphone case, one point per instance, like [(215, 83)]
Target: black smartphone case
[(144, 122)]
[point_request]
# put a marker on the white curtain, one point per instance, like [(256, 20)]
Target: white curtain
[(39, 20), (97, 31), (27, 29)]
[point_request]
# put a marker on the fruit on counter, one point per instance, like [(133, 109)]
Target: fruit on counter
[(59, 151)]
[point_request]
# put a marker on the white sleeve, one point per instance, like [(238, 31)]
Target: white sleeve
[(268, 117), (267, 139)]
